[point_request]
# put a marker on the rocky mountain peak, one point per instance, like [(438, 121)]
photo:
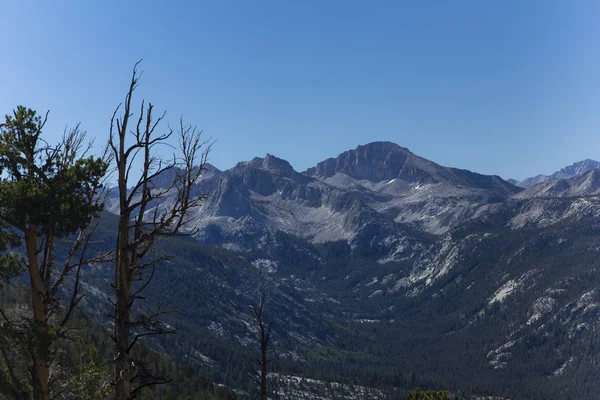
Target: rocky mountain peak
[(271, 164), (376, 161), (165, 179), (386, 162), (579, 168)]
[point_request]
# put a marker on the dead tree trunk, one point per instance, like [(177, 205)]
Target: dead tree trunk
[(263, 338), (140, 225), (123, 282)]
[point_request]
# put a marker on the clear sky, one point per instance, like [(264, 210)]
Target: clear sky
[(500, 87)]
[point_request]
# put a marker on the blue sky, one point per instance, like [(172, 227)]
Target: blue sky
[(499, 87)]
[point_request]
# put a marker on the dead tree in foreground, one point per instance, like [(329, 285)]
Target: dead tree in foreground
[(147, 213), (263, 338)]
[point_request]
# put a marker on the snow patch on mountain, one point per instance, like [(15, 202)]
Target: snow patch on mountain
[(499, 357), (269, 266), (290, 387), (510, 287), (541, 307)]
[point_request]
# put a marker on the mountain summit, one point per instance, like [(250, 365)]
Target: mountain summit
[(374, 162), (385, 161)]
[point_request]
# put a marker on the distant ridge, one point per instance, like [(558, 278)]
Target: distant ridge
[(576, 169), (587, 184)]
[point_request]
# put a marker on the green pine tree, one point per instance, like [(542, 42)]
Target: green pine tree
[(47, 193)]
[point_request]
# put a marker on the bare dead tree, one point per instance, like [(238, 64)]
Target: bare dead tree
[(147, 213), (263, 338)]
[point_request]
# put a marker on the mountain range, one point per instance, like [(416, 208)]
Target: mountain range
[(386, 270)]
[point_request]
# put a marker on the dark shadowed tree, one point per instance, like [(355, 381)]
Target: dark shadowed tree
[(49, 196), (13, 384), (263, 338), (148, 211)]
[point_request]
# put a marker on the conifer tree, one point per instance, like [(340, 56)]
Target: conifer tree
[(47, 194)]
